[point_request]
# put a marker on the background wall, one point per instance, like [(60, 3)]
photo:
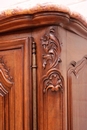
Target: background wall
[(76, 5)]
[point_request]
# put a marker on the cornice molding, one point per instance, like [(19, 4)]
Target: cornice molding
[(29, 14)]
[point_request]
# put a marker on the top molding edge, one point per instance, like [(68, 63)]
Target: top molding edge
[(30, 8)]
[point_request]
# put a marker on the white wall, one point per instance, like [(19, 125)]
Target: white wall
[(80, 7)]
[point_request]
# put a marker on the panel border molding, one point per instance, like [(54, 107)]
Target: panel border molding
[(74, 68)]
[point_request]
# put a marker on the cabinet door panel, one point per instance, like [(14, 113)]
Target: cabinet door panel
[(77, 83), (77, 95), (14, 103)]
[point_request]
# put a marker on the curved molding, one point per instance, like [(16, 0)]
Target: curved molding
[(74, 68), (51, 48), (27, 15), (53, 80), (31, 8), (5, 79), (3, 91)]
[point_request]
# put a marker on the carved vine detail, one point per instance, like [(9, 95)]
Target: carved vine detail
[(53, 80), (5, 78), (51, 48)]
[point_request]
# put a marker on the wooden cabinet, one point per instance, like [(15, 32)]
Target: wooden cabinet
[(43, 61)]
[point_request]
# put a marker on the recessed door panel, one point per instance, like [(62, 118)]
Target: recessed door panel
[(14, 85), (77, 95)]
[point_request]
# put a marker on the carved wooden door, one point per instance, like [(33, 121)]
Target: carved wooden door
[(15, 84), (32, 89), (50, 81)]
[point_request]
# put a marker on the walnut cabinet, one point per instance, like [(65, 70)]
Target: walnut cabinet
[(43, 72)]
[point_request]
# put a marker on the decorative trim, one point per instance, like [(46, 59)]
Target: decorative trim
[(3, 91), (51, 48), (74, 68), (53, 80), (5, 78), (34, 84), (24, 8), (51, 85)]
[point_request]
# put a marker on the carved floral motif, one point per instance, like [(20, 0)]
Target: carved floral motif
[(51, 48), (51, 58), (53, 80), (5, 78)]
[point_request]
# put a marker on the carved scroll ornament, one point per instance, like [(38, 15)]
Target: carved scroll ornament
[(5, 79), (53, 80), (51, 48)]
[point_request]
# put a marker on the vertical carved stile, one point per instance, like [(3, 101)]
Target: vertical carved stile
[(52, 82), (34, 67)]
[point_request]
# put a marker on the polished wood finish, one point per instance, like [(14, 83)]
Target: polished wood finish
[(43, 62), (34, 84), (14, 104), (50, 81), (64, 20), (77, 94), (77, 83)]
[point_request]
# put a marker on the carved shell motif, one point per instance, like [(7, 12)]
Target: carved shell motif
[(51, 48), (5, 78), (53, 80)]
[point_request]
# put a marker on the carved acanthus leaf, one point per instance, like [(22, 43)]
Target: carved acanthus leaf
[(51, 48), (53, 80)]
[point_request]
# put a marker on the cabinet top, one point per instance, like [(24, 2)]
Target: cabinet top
[(31, 14)]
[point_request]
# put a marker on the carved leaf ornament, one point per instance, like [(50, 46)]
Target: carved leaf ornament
[(51, 48), (5, 79)]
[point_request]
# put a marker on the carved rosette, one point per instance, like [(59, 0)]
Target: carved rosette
[(53, 80), (5, 78), (51, 49)]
